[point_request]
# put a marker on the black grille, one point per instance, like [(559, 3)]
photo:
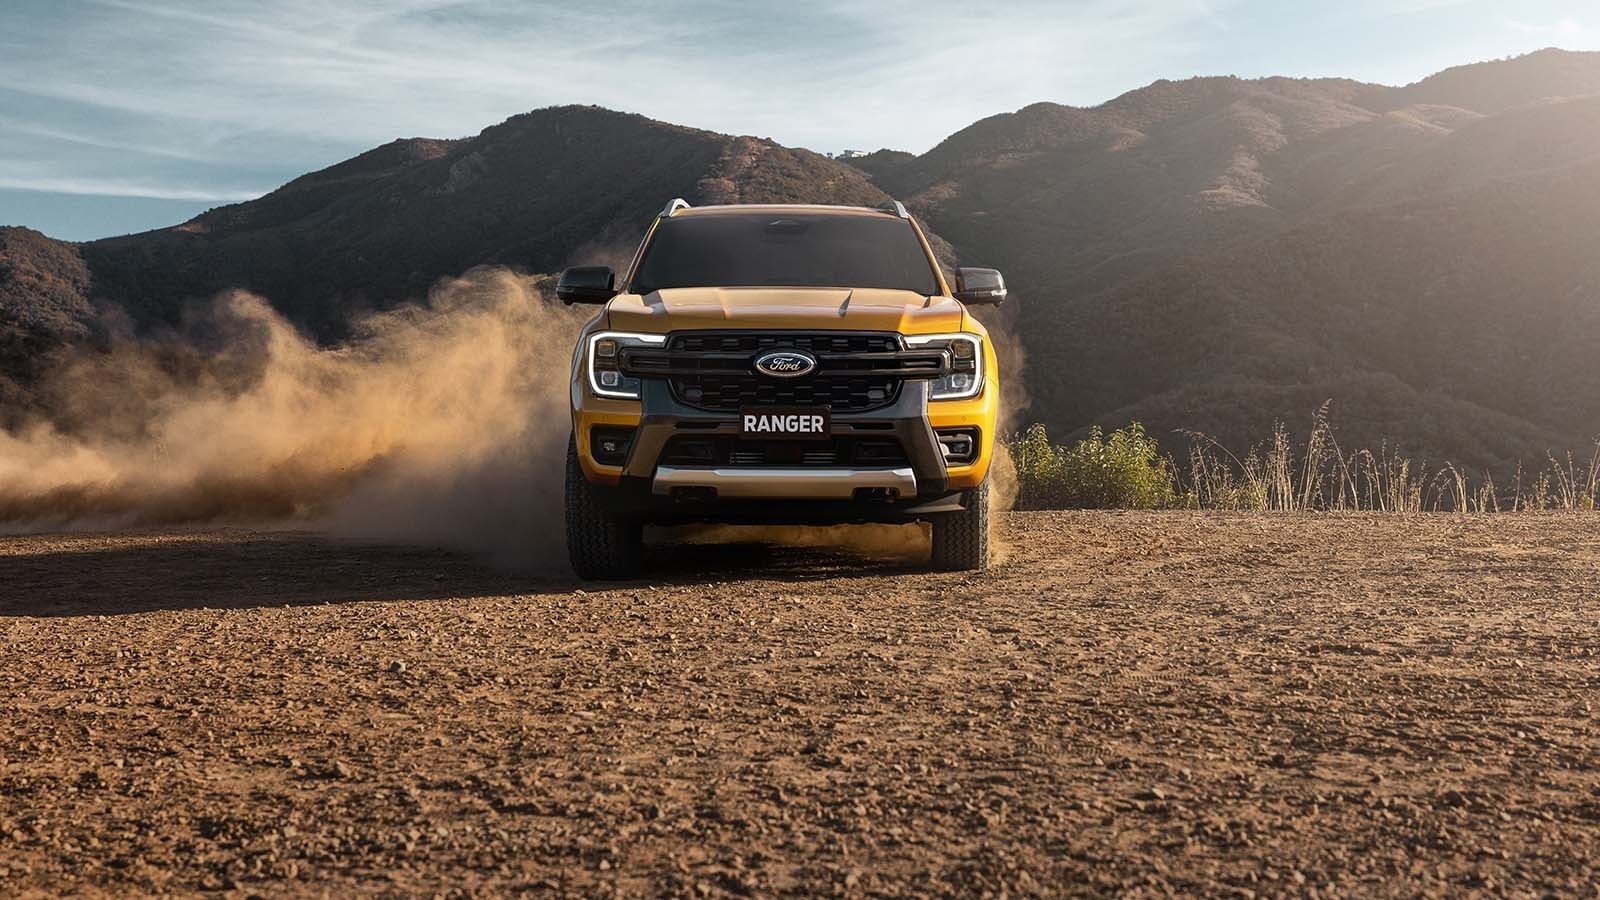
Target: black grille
[(858, 452), (839, 383), (730, 393)]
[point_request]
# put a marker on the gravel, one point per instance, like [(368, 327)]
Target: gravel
[(1143, 703)]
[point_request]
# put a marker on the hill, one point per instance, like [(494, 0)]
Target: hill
[(44, 303), (1219, 253), (382, 227)]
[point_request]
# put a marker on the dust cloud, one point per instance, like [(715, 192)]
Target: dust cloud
[(444, 423), (1005, 333), (1002, 497)]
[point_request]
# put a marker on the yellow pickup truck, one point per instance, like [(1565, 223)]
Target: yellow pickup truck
[(780, 364)]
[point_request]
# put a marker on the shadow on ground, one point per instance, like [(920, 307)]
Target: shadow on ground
[(112, 575)]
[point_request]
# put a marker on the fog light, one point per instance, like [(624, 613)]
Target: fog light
[(610, 378), (609, 444), (959, 445)]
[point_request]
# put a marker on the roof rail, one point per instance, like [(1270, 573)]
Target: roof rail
[(896, 207), (673, 206)]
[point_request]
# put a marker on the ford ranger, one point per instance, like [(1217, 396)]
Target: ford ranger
[(779, 364)]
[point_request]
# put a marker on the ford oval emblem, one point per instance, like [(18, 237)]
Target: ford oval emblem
[(786, 364)]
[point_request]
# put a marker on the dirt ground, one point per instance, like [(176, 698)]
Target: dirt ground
[(1132, 703)]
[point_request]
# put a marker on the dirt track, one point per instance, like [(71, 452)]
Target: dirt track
[(1143, 702)]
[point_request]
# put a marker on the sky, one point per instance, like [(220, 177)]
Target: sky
[(124, 115)]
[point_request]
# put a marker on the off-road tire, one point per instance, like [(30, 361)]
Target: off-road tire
[(961, 540), (600, 545)]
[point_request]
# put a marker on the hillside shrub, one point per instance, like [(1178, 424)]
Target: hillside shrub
[(1122, 470)]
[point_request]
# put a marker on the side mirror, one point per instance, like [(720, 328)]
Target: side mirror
[(977, 286), (586, 284)]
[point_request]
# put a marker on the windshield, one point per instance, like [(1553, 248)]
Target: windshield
[(773, 249)]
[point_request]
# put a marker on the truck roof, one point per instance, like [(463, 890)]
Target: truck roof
[(679, 208)]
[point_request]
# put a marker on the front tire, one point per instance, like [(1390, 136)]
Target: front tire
[(601, 545), (961, 540)]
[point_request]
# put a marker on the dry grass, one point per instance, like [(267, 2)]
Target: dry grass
[(1317, 474)]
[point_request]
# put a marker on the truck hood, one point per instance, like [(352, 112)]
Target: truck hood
[(858, 309)]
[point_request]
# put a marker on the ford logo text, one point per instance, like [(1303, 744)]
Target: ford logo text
[(786, 364)]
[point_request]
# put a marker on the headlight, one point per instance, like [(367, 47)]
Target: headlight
[(605, 352), (966, 354)]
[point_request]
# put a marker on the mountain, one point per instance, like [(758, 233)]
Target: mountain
[(1212, 254), (1496, 87), (44, 303), (1217, 254), (384, 226)]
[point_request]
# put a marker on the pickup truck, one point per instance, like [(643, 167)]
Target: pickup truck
[(780, 364)]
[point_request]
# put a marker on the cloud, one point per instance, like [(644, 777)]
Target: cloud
[(35, 129), (1413, 7), (369, 70), (1567, 27), (111, 187)]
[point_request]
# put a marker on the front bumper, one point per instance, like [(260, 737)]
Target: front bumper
[(799, 495), (663, 418), (916, 488), (732, 483)]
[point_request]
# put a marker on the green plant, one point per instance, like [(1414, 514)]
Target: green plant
[(1122, 470)]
